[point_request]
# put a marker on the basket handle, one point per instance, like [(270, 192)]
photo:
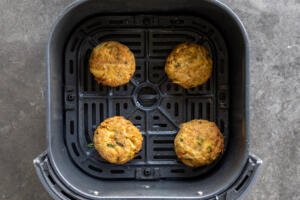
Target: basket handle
[(242, 185), (59, 192), (50, 181)]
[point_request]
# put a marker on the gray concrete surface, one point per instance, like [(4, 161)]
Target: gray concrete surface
[(274, 30)]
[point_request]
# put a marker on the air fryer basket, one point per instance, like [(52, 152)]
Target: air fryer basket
[(69, 169), (150, 101)]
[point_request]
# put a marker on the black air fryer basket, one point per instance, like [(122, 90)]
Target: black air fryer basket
[(69, 169)]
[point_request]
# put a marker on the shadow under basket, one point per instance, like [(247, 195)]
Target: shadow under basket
[(76, 104)]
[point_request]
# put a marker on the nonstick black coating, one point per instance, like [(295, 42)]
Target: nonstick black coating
[(154, 104)]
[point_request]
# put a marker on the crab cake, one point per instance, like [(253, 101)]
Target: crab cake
[(198, 143), (117, 140), (189, 65), (112, 63)]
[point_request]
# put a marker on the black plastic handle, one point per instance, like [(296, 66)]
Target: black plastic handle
[(58, 191)]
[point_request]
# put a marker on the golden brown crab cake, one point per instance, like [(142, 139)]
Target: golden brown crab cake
[(117, 140), (198, 143), (112, 63), (189, 65)]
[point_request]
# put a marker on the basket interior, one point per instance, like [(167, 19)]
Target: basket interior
[(154, 104)]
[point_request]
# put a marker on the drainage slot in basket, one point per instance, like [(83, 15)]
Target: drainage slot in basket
[(159, 125), (158, 68), (207, 85), (176, 110), (192, 110), (86, 124), (120, 36), (86, 69), (222, 126), (67, 195), (208, 111), (138, 117), (163, 149), (117, 171), (71, 68), (162, 51), (163, 141), (200, 111), (222, 61), (51, 179), (72, 127), (240, 185), (155, 117), (177, 171), (171, 157), (101, 112), (95, 168), (177, 36), (168, 43), (132, 43), (93, 114), (117, 109), (168, 105), (136, 51)]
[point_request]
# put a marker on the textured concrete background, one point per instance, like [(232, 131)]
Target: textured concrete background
[(274, 30)]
